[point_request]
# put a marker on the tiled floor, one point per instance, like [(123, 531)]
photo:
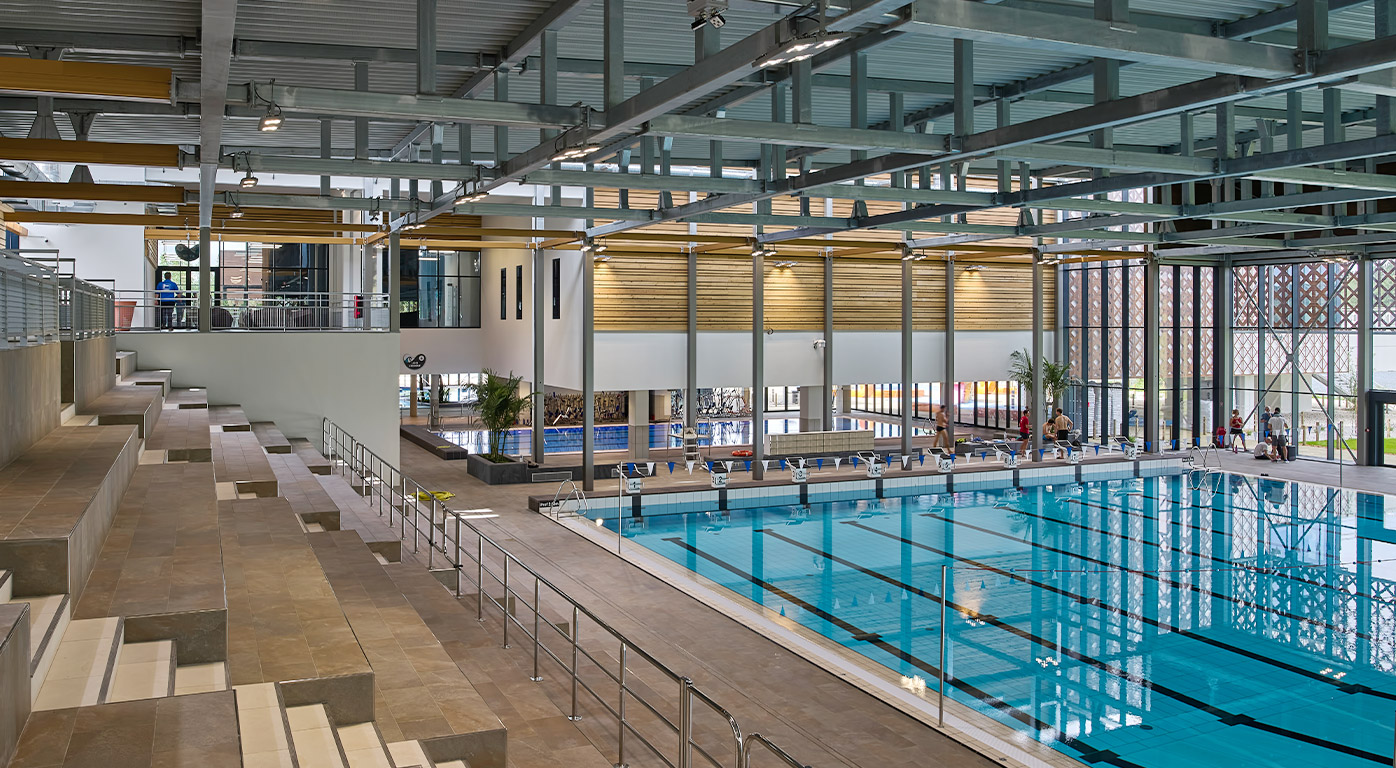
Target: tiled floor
[(162, 554), (284, 622), (44, 492), (198, 730)]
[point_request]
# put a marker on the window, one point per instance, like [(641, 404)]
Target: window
[(557, 289), (440, 289), (518, 292), (504, 294)]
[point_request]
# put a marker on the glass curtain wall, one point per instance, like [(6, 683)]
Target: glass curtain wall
[(989, 404), (1295, 348), (1105, 350)]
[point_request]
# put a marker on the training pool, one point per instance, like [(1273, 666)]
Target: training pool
[(1127, 622)]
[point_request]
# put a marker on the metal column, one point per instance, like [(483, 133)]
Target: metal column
[(394, 282), (1151, 335), (205, 280), (588, 372), (1223, 347), (690, 395), (1366, 441), (828, 416), (908, 401), (947, 392), (539, 371), (758, 365), (1039, 400)]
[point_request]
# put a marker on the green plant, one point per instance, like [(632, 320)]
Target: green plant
[(1056, 377), (499, 404)]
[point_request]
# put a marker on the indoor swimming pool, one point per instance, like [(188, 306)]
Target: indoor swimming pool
[(616, 437), (1130, 622)]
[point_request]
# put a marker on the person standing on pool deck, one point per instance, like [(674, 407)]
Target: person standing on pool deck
[(1238, 431), (1264, 424), (1063, 425), (1279, 429), (943, 430), (1024, 432)]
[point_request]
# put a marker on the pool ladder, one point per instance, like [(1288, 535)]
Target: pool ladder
[(1199, 473), (567, 491)]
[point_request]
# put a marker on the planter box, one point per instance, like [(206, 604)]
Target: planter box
[(497, 474)]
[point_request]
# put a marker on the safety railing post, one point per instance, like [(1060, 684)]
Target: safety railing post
[(460, 564), (507, 612), (431, 534), (575, 632), (536, 638), (685, 723), (620, 708), (940, 669), (479, 576)]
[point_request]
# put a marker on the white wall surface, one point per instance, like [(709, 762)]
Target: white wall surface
[(101, 251), (656, 360), (293, 379)]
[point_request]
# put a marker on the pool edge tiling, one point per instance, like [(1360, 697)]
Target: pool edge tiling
[(1096, 637)]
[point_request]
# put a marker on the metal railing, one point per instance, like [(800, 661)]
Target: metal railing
[(239, 311), (649, 726), (28, 301), (85, 310)]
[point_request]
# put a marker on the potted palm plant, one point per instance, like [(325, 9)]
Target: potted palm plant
[(1056, 379), (499, 404)]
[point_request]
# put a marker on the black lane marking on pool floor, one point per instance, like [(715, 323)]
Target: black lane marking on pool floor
[(1170, 582), (1282, 573), (1111, 669), (1345, 687), (921, 664)]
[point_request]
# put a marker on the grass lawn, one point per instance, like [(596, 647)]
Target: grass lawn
[(1389, 448)]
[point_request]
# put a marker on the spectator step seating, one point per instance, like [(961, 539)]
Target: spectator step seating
[(270, 437), (310, 457), (182, 433), (184, 610), (125, 363)]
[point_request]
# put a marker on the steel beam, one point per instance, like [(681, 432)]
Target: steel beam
[(392, 106), (797, 134), (1042, 30)]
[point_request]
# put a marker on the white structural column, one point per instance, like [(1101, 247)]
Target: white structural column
[(540, 262), (639, 423), (758, 365), (588, 372), (908, 394)]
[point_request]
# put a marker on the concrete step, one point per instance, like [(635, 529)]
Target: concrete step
[(145, 671), (409, 754), (201, 678), (453, 764), (49, 616), (7, 586), (262, 730), (69, 411), (364, 746), (82, 668), (313, 737)]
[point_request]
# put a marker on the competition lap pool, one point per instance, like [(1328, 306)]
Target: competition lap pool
[(1133, 622)]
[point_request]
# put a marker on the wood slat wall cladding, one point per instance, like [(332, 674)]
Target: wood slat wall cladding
[(649, 293)]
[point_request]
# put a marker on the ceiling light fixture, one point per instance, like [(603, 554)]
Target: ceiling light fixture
[(237, 212), (785, 264), (975, 268), (575, 153), (801, 48), (249, 181), (272, 120)]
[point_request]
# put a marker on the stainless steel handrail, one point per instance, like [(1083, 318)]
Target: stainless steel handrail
[(399, 495)]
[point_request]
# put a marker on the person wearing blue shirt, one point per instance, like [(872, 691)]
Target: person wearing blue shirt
[(166, 293)]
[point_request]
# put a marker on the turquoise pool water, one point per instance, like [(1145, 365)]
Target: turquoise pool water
[(1138, 622)]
